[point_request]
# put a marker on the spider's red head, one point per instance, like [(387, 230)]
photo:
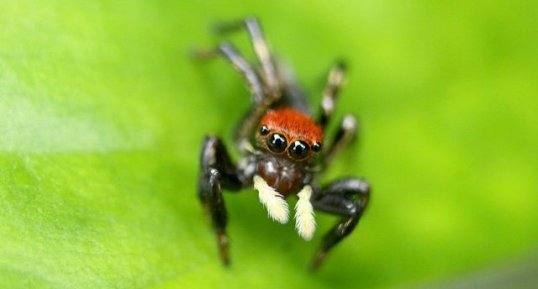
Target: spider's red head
[(289, 133)]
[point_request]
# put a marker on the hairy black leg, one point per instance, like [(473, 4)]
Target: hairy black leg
[(261, 49), (292, 95), (248, 124), (217, 172), (240, 64), (330, 94), (347, 198), (265, 89), (230, 53), (344, 135)]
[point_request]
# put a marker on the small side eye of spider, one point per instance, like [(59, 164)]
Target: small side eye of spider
[(283, 147)]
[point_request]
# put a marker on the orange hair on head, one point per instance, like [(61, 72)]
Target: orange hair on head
[(295, 124)]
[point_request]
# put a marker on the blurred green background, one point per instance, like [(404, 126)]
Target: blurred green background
[(102, 116)]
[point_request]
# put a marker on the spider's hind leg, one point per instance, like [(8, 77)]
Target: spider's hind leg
[(346, 133), (240, 64), (335, 80), (347, 198), (261, 48), (217, 172), (347, 130), (255, 84), (292, 94)]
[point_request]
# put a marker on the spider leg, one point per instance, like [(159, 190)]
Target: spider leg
[(261, 49), (330, 94), (261, 104), (217, 172), (344, 135), (247, 126), (241, 65), (265, 88), (292, 95), (347, 198)]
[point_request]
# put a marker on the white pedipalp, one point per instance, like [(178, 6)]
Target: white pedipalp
[(305, 223), (277, 208)]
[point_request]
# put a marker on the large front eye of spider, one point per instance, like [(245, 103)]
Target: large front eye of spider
[(277, 143), (298, 150)]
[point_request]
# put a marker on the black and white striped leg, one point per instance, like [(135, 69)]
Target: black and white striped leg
[(228, 51), (330, 94), (240, 64), (344, 135), (254, 83), (292, 95), (217, 172), (247, 126), (261, 49), (347, 198)]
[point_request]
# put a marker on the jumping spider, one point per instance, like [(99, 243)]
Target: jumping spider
[(284, 148)]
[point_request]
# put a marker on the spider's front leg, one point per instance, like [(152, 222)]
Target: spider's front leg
[(347, 198), (217, 172)]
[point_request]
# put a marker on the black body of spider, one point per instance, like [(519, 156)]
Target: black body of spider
[(284, 150)]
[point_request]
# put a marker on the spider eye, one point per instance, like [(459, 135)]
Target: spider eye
[(264, 130), (277, 143), (298, 150), (316, 146)]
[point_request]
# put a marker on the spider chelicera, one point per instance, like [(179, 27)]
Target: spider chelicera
[(284, 150)]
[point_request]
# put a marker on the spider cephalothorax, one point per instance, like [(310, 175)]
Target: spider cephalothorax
[(284, 150), (289, 133)]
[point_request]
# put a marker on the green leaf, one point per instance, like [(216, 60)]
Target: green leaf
[(102, 116)]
